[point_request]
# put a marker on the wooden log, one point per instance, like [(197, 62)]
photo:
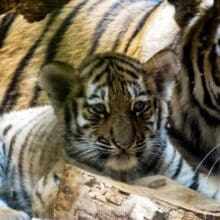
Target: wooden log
[(83, 195)]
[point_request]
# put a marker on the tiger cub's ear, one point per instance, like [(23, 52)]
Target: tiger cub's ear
[(163, 67), (60, 81)]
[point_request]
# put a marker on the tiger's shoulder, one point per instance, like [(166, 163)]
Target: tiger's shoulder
[(72, 33)]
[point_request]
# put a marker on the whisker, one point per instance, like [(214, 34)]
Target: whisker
[(206, 156), (210, 171)]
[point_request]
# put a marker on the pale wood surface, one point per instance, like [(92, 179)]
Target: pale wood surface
[(83, 195)]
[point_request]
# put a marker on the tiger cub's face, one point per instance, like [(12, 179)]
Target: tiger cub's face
[(114, 109)]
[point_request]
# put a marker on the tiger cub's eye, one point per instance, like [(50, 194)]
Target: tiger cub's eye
[(139, 106), (98, 108)]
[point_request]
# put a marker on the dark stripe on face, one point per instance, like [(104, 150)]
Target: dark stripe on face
[(99, 76), (7, 129), (195, 182), (131, 63), (178, 169), (126, 71), (54, 44), (5, 25), (104, 22), (139, 28), (12, 93)]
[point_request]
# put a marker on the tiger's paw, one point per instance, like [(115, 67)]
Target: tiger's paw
[(11, 214), (45, 192)]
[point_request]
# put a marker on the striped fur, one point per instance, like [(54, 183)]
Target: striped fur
[(98, 126), (79, 29), (195, 109)]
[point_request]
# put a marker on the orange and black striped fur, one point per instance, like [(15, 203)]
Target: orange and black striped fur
[(108, 115), (137, 28), (195, 105)]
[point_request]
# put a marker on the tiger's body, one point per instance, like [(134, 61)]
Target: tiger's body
[(138, 28), (111, 119), (195, 106)]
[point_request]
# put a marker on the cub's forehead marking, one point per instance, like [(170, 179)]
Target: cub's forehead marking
[(137, 90), (97, 94)]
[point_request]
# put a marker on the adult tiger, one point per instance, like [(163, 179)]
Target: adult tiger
[(137, 28), (195, 105), (110, 116)]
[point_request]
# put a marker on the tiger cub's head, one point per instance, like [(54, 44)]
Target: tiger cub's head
[(114, 109)]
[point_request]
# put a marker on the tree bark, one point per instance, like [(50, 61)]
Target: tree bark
[(83, 195), (32, 10)]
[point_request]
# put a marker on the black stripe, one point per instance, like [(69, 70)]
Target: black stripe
[(3, 157), (195, 182), (54, 44), (159, 116), (7, 129), (12, 93), (58, 36), (4, 149), (215, 194), (126, 70), (210, 119), (124, 30), (214, 69), (193, 125), (139, 27), (12, 198), (35, 95), (178, 169), (183, 142), (28, 137), (39, 196), (5, 25), (93, 7), (207, 97), (99, 76), (187, 61), (104, 22), (68, 118), (10, 152), (172, 159), (20, 170), (132, 63)]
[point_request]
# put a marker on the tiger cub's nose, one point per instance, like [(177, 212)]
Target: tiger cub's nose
[(123, 145)]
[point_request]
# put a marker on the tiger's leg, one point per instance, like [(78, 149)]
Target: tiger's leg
[(45, 192), (174, 166), (7, 213)]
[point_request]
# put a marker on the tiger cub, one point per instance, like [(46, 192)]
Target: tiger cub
[(108, 115)]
